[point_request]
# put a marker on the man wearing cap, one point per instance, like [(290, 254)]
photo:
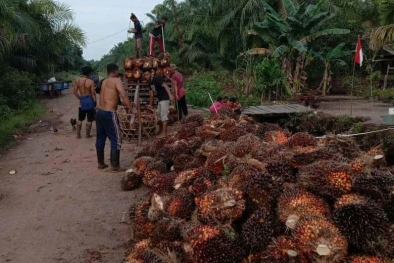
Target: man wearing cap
[(137, 30), (155, 35), (179, 91)]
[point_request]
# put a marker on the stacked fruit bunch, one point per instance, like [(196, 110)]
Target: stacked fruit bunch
[(228, 189), (145, 68)]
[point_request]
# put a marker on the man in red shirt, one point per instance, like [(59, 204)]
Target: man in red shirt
[(179, 90)]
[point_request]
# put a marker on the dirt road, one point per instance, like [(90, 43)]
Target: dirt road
[(58, 207)]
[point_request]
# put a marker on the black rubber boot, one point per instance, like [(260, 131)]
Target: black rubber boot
[(79, 127), (115, 167), (100, 160)]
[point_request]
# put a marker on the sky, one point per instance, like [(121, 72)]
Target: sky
[(102, 18)]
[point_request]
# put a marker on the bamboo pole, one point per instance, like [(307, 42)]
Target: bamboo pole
[(351, 90)]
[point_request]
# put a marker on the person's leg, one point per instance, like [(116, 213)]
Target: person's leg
[(81, 118), (113, 132), (138, 43), (90, 115), (151, 46), (159, 117), (179, 108), (165, 106), (184, 106), (159, 40), (101, 136)]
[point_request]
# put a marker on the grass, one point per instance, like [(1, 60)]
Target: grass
[(19, 120)]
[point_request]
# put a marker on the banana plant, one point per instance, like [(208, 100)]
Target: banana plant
[(331, 59)]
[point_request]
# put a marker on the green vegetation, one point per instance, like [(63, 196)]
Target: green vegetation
[(17, 120)]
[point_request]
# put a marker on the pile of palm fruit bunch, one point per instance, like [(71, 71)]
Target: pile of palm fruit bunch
[(227, 189), (143, 69)]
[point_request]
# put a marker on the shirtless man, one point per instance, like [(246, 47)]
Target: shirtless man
[(106, 119), (84, 91)]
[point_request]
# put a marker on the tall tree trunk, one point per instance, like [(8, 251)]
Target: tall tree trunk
[(325, 77), (298, 79)]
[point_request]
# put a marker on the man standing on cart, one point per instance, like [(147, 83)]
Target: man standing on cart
[(137, 30), (156, 35), (107, 120)]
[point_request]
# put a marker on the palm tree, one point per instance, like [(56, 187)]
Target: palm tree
[(290, 35), (383, 34)]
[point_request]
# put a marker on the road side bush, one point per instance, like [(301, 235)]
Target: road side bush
[(16, 89)]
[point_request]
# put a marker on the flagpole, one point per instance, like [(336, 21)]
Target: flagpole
[(351, 90)]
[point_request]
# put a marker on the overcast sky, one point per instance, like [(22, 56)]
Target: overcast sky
[(102, 18)]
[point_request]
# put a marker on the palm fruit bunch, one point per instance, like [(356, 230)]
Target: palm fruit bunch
[(181, 204), (252, 258), (142, 227), (295, 204), (225, 113), (326, 178), (320, 239), (223, 205), (151, 149), (278, 137), (154, 169), (200, 186), (232, 133), (198, 118), (262, 190), (138, 249), (365, 259), (210, 244), (131, 180), (186, 178), (349, 199), (309, 155), (388, 148), (282, 170), (206, 132), (284, 249), (182, 147), (389, 208), (245, 145), (140, 164), (163, 183), (364, 224), (264, 128), (187, 130), (194, 144), (301, 139), (166, 154), (257, 231), (239, 175), (184, 162), (166, 229), (346, 147), (375, 184), (216, 160)]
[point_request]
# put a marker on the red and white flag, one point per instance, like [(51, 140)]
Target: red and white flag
[(358, 58)]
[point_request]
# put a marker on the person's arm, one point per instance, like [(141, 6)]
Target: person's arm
[(122, 94), (168, 91), (93, 90), (76, 90), (174, 84), (158, 24)]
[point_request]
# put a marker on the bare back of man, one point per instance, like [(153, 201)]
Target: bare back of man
[(84, 91), (111, 90)]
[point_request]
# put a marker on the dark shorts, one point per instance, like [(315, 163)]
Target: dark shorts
[(82, 115)]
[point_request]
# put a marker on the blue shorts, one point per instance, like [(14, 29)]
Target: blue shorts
[(107, 127)]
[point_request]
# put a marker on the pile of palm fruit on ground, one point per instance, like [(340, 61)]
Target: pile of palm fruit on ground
[(228, 190)]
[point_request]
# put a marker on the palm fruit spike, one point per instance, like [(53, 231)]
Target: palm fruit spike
[(185, 178), (239, 175), (166, 229), (154, 169), (349, 199), (277, 137), (194, 144), (213, 245), (375, 184), (184, 162), (140, 164), (364, 225), (257, 231), (166, 154), (224, 205), (232, 133), (245, 145), (163, 183), (281, 170), (284, 249), (200, 186), (308, 157), (141, 225), (326, 178), (227, 112), (182, 147), (174, 248), (198, 118), (320, 239), (253, 258), (207, 132), (136, 252), (181, 204), (131, 180), (187, 130), (346, 147), (302, 139), (151, 149), (295, 204), (215, 161), (365, 259), (263, 128)]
